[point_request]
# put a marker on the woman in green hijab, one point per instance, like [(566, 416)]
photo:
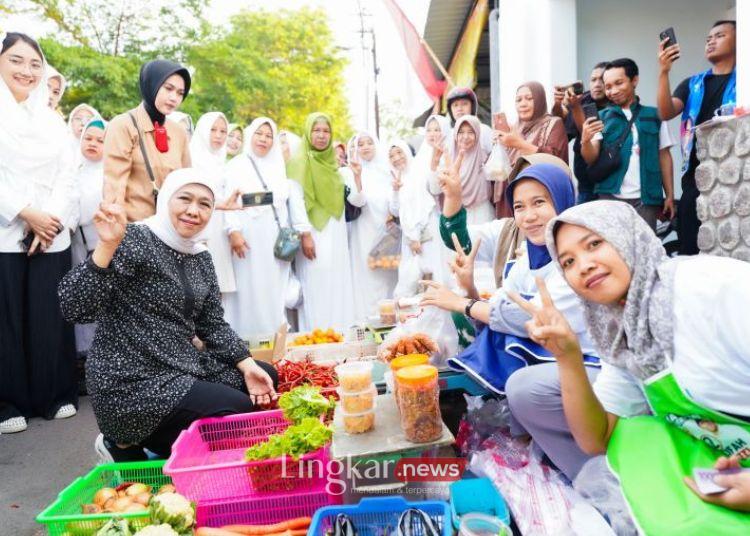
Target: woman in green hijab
[(323, 265)]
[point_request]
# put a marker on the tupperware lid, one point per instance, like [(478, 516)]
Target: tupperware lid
[(409, 360), (416, 375)]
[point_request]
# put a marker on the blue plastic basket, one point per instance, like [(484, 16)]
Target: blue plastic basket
[(477, 495), (372, 515)]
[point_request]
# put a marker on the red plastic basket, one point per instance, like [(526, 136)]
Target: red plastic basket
[(262, 510), (207, 461)]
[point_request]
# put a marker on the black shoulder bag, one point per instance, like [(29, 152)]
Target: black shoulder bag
[(609, 155), (351, 212), (146, 161), (288, 240)]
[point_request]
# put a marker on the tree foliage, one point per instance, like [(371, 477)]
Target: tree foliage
[(280, 64)]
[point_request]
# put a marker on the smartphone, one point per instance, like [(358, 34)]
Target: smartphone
[(590, 110), (577, 87), (500, 122), (257, 199), (669, 35)]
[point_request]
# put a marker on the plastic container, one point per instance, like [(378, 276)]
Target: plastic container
[(478, 496), (208, 460), (357, 402), (387, 310), (358, 423), (409, 360), (372, 515), (355, 376), (409, 308), (482, 525), (64, 517), (418, 396), (261, 510)]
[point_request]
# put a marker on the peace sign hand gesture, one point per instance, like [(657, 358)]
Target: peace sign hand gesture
[(449, 176), (463, 264), (396, 183), (548, 326)]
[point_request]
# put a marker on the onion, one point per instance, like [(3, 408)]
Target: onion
[(137, 489), (143, 498), (91, 509), (103, 495), (167, 488), (121, 504), (136, 507)]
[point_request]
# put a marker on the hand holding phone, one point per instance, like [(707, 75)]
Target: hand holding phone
[(670, 37), (500, 122), (590, 110)]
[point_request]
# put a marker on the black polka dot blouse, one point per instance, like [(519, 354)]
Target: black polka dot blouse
[(149, 304)]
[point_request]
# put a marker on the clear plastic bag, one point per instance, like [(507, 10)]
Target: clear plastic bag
[(498, 165), (431, 321), (385, 253), (483, 419), (600, 488), (409, 275)]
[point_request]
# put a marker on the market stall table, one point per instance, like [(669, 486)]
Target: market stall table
[(375, 454)]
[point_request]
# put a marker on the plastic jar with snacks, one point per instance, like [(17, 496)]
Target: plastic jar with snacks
[(358, 423), (354, 377), (387, 310), (419, 402), (403, 361), (357, 402)]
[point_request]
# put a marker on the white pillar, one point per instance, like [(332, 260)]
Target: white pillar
[(537, 42), (743, 52)]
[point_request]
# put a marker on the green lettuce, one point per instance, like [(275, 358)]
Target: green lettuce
[(304, 401), (296, 441)]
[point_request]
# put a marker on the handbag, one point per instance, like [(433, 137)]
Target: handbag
[(288, 240), (351, 212), (145, 157), (609, 156)]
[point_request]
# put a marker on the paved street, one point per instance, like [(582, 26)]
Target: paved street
[(36, 464)]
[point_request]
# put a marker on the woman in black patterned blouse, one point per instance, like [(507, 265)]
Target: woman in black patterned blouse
[(152, 289)]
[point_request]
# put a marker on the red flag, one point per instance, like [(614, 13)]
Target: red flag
[(416, 52)]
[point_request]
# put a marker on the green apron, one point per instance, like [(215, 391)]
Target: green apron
[(651, 454)]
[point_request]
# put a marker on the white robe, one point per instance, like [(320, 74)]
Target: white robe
[(211, 161), (327, 290), (262, 281), (89, 182), (370, 285)]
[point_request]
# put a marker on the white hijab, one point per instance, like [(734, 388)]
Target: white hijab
[(203, 157), (77, 109), (376, 174), (161, 223), (90, 179), (32, 136), (414, 196), (54, 73), (424, 155), (271, 167)]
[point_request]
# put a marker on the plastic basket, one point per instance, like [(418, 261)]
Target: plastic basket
[(334, 352), (63, 517), (262, 510), (372, 515), (207, 461)]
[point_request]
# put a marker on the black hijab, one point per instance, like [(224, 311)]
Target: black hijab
[(153, 76)]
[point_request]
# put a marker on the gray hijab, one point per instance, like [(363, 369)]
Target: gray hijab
[(638, 336)]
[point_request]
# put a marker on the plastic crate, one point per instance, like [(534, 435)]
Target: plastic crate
[(334, 352), (63, 517), (208, 460), (262, 510), (372, 515)]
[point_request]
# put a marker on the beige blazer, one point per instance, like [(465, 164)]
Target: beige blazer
[(125, 177)]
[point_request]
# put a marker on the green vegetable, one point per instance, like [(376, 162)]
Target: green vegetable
[(157, 530), (304, 401), (115, 527), (173, 509), (297, 440)]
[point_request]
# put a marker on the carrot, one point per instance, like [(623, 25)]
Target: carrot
[(290, 526), (209, 531)]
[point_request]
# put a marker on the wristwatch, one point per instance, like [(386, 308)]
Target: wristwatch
[(467, 309)]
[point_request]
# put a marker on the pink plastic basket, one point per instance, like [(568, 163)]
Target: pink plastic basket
[(207, 461), (262, 510)]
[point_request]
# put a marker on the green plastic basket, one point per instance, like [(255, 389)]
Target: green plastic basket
[(63, 517)]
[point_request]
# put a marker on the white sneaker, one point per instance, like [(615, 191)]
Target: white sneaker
[(66, 411), (13, 425), (102, 452)]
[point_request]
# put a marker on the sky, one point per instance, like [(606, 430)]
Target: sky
[(396, 81)]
